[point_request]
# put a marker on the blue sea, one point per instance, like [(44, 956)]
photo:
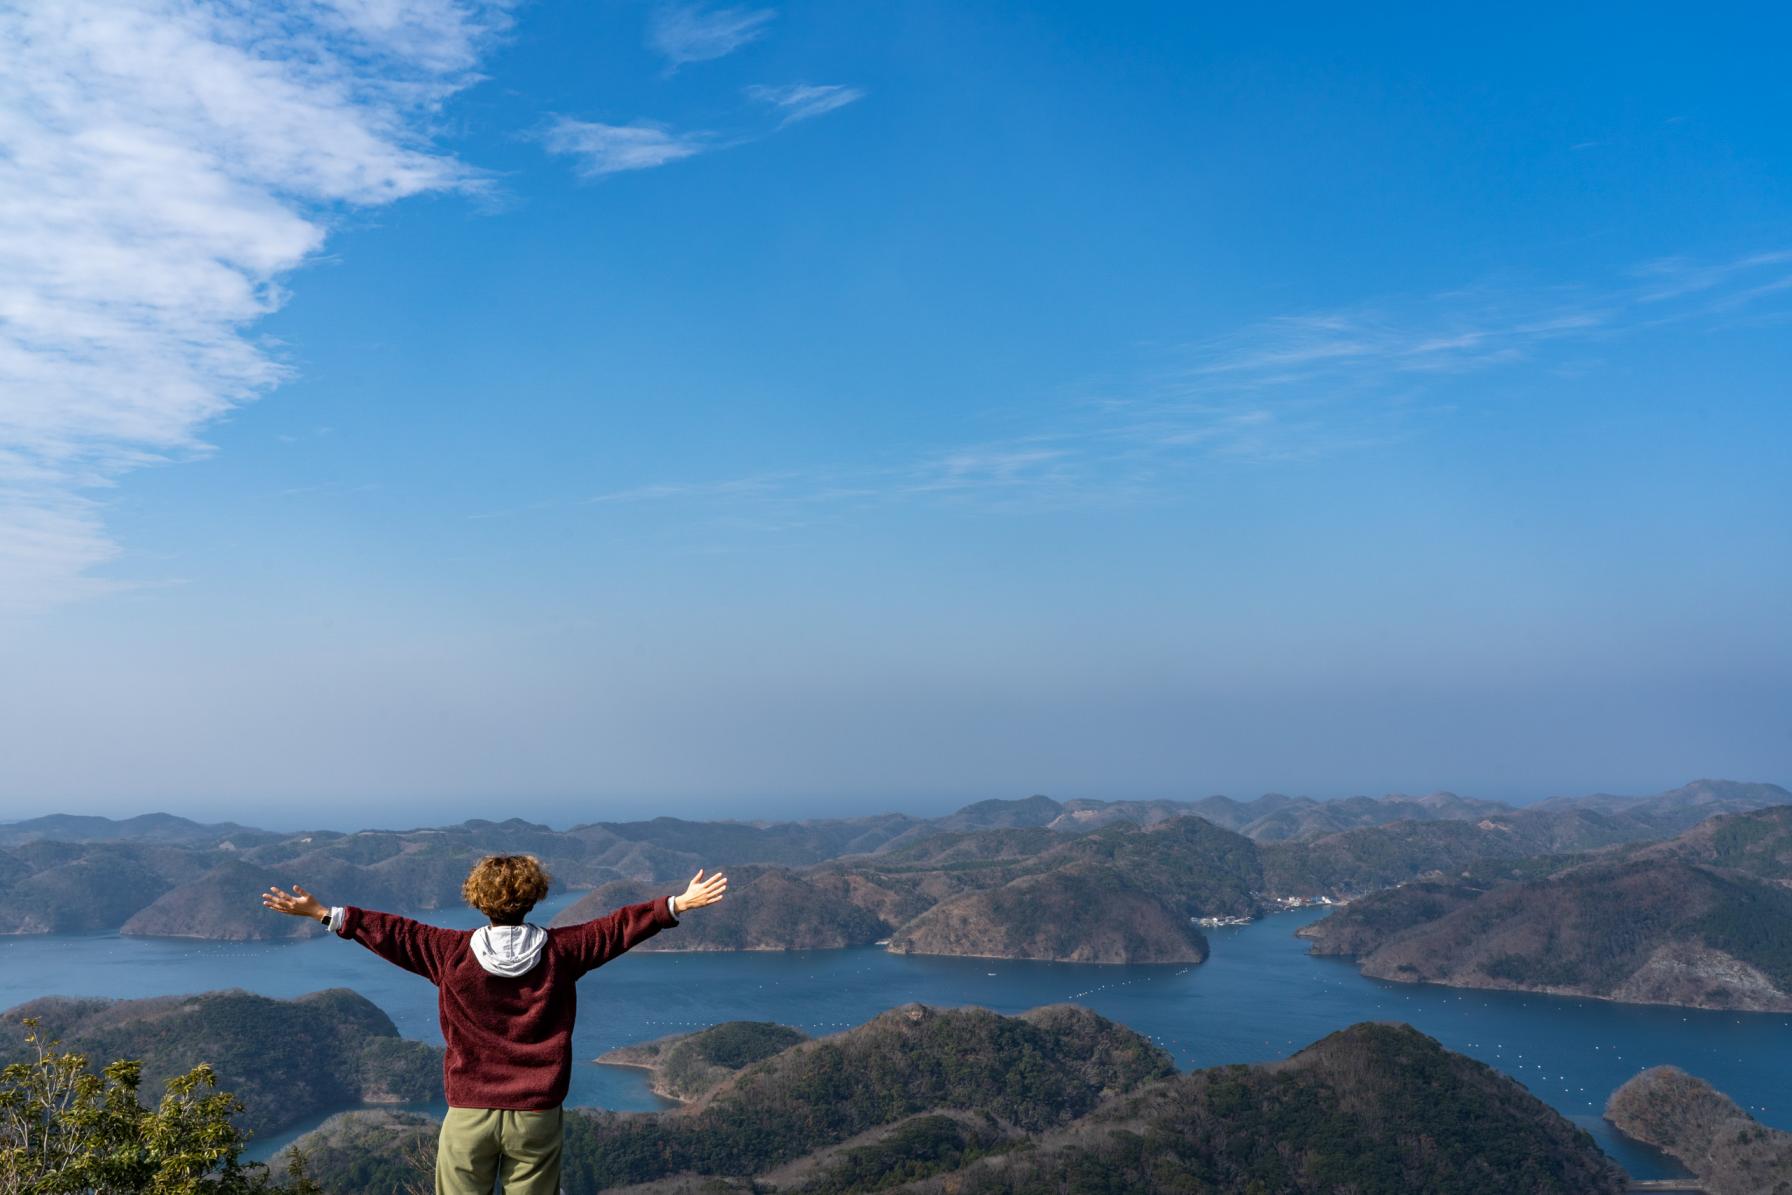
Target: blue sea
[(1260, 996)]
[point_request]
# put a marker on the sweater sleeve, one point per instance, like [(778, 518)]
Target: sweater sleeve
[(423, 949), (596, 942)]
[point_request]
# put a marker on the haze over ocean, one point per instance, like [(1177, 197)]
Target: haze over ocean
[(588, 411)]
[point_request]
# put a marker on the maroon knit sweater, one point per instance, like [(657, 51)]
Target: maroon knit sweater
[(509, 1037)]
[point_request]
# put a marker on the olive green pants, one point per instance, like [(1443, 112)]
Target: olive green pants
[(479, 1145)]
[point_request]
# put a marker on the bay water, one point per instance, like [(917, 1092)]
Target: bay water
[(1260, 996)]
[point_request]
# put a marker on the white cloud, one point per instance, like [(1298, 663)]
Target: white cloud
[(162, 164), (611, 148), (800, 101), (685, 33)]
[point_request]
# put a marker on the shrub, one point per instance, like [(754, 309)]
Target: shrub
[(67, 1131)]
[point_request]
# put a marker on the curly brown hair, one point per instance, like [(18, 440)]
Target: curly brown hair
[(505, 887)]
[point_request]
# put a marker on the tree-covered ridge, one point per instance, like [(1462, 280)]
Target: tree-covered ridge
[(967, 1101), (1758, 843), (1372, 1108), (284, 1059)]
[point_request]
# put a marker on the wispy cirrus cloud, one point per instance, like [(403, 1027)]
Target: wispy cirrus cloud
[(685, 33), (1284, 390), (1670, 278), (800, 101), (1397, 341), (602, 149), (599, 149), (166, 163)]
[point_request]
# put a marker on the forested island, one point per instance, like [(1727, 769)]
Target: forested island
[(1724, 1147), (685, 1065)]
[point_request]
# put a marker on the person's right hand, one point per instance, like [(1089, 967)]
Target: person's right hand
[(703, 892)]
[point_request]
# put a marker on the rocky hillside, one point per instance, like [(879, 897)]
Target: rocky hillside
[(1723, 1146), (1075, 913), (1654, 930), (286, 1059), (966, 1101)]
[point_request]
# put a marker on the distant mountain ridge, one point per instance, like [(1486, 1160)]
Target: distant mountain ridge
[(1276, 817), (145, 827), (1269, 817), (971, 882)]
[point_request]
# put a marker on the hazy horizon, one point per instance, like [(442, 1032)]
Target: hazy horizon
[(560, 816), (721, 412)]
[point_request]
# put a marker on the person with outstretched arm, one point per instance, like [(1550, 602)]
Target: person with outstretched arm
[(508, 999)]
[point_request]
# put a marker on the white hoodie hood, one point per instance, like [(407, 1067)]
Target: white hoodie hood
[(509, 949)]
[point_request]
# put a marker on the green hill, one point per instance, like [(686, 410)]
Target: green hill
[(286, 1059)]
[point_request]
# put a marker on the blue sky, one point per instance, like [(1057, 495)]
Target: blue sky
[(601, 409)]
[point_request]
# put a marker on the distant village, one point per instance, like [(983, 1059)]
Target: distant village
[(1280, 904)]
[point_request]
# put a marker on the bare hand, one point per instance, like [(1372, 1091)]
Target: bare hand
[(299, 904), (703, 892)]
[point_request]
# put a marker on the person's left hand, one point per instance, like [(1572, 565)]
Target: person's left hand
[(299, 903)]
